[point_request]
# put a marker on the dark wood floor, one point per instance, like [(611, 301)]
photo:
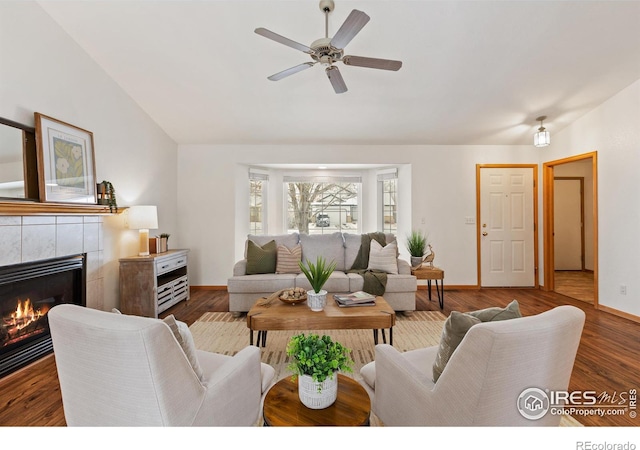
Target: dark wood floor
[(608, 357)]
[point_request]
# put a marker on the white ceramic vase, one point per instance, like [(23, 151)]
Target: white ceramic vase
[(316, 301), (316, 395)]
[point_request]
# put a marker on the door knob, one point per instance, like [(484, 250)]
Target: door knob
[(484, 233)]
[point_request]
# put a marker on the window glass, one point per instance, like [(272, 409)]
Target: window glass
[(322, 207), (389, 214)]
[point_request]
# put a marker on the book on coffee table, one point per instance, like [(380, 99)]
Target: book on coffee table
[(359, 298), (343, 304)]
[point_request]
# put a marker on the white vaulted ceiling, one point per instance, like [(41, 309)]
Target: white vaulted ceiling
[(474, 72)]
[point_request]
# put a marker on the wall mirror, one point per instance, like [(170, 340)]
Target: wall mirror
[(18, 163)]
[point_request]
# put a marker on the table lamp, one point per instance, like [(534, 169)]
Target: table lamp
[(143, 218)]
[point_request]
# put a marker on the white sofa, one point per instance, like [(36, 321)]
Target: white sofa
[(342, 248)]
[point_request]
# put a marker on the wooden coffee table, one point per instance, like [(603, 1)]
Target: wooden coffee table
[(281, 316), (282, 406)]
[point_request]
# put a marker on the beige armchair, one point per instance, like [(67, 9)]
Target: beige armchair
[(481, 383), (120, 370)]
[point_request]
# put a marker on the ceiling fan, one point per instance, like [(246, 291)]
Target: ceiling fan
[(327, 51)]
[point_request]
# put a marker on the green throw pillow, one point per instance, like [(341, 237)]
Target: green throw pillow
[(457, 325), (511, 311), (261, 259)]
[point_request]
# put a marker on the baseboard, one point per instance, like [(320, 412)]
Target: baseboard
[(208, 288), (616, 312), (424, 287)]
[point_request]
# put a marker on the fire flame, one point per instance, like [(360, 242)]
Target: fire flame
[(25, 314)]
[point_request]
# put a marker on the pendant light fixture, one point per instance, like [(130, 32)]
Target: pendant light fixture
[(541, 138)]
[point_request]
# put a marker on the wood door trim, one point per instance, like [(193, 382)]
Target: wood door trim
[(547, 206), (534, 168)]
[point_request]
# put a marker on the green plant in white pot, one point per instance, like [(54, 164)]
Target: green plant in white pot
[(317, 274), (417, 246), (315, 361)]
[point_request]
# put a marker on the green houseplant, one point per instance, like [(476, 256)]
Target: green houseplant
[(107, 195), (317, 274), (315, 361), (417, 246)]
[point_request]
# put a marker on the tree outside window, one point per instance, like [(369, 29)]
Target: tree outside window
[(322, 207)]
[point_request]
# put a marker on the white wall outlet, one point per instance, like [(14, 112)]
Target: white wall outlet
[(623, 289), (470, 220), (423, 221)]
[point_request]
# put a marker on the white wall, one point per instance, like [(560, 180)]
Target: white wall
[(43, 70), (443, 194), (213, 195), (613, 130), (583, 169)]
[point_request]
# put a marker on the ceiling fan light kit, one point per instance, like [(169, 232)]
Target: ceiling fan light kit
[(327, 51)]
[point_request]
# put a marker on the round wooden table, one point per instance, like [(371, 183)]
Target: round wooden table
[(282, 406)]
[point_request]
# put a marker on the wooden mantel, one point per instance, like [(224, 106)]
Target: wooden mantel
[(29, 208)]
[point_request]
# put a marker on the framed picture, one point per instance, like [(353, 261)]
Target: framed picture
[(66, 164)]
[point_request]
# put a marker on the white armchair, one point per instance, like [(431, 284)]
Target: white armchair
[(120, 370), (481, 383)]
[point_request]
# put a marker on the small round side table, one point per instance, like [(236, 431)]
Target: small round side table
[(282, 406)]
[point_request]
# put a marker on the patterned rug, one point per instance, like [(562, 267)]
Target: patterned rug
[(220, 332)]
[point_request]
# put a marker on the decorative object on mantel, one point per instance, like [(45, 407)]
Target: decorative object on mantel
[(416, 245), (143, 218), (107, 195), (315, 361), (317, 274), (66, 162)]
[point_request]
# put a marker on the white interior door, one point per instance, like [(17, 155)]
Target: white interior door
[(507, 227), (568, 250)]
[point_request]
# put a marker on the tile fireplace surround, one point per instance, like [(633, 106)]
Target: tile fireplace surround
[(31, 238)]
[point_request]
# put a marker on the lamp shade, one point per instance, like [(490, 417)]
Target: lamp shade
[(143, 217)]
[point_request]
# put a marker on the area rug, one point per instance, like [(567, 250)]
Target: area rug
[(220, 332)]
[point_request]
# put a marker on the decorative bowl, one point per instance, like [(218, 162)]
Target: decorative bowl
[(293, 296)]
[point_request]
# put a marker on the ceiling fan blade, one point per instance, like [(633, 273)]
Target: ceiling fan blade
[(283, 40), (372, 63), (295, 69), (336, 79), (352, 26)]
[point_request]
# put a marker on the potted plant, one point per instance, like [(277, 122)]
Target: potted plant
[(107, 195), (417, 245), (317, 274), (315, 361)]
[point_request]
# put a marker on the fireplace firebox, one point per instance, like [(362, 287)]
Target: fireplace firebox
[(27, 292)]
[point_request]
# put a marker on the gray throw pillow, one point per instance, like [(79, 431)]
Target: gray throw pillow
[(183, 335), (511, 311), (457, 325), (261, 259), (455, 328)]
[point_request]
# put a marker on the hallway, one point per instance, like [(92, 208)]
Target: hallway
[(576, 284)]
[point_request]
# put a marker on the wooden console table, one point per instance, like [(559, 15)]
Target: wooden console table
[(152, 284), (431, 273)]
